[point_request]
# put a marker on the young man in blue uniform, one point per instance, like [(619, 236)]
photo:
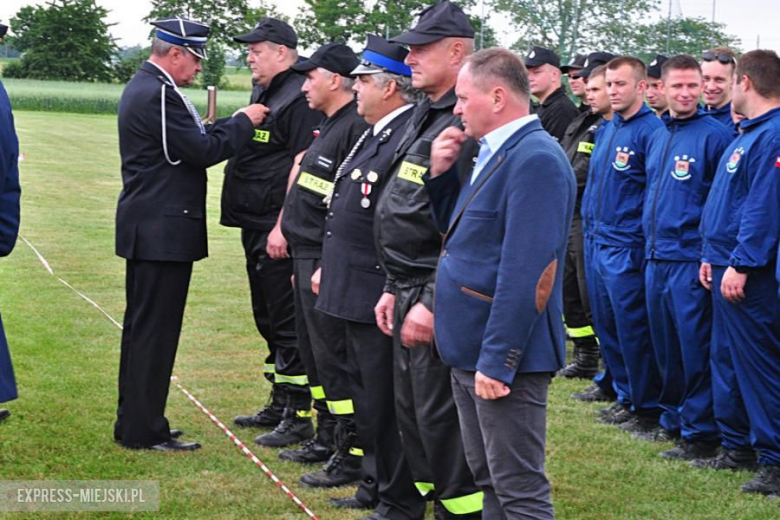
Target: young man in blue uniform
[(717, 66), (161, 220), (681, 163), (10, 193), (498, 284), (740, 227), (614, 244)]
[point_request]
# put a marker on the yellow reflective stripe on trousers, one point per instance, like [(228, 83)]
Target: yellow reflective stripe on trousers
[(291, 380), (303, 413), (317, 392), (424, 487), (314, 183), (581, 332), (269, 368), (357, 452), (464, 505), (344, 407)]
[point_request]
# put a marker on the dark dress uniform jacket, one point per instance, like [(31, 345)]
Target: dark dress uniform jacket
[(556, 113), (352, 278), (256, 178), (405, 235), (304, 210), (578, 142), (9, 223), (161, 213)]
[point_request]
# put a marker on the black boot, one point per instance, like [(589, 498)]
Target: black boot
[(767, 482), (593, 394), (343, 468), (296, 425), (320, 448), (269, 416), (586, 359)]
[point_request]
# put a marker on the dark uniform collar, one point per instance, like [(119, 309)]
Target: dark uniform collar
[(279, 80), (669, 120), (552, 98), (643, 112), (341, 113), (750, 124), (446, 101)]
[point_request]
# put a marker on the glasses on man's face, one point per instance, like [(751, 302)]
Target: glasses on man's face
[(723, 58)]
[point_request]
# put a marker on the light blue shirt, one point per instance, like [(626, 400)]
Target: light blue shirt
[(494, 140)]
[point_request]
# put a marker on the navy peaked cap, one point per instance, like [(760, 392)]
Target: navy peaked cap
[(189, 34), (382, 56), (654, 67), (539, 56), (441, 20), (595, 59)]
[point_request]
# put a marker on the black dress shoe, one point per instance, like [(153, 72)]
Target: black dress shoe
[(175, 434), (175, 446), (4, 414)]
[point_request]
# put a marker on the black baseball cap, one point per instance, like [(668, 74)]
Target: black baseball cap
[(539, 56), (577, 62), (335, 57), (594, 59), (189, 34), (270, 30), (654, 67), (441, 20)]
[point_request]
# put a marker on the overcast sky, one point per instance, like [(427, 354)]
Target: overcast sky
[(753, 21)]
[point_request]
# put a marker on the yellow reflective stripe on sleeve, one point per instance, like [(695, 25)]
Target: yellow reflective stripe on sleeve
[(585, 147), (314, 183), (424, 487), (262, 136), (357, 452), (464, 505), (581, 332), (344, 407), (292, 380), (303, 413), (269, 368), (412, 172), (317, 392)]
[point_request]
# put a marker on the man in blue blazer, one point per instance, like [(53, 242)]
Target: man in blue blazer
[(498, 289), (9, 223)]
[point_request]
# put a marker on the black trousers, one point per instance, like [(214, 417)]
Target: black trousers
[(273, 309), (428, 419), (376, 419), (576, 306), (156, 294)]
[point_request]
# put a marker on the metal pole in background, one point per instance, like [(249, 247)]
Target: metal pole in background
[(482, 27), (622, 17), (668, 27)]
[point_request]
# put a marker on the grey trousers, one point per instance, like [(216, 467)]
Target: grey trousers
[(504, 441)]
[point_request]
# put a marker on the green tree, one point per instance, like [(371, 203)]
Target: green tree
[(569, 26), (64, 40), (685, 36), (127, 61)]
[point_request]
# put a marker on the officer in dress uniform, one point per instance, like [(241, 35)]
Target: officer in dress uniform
[(328, 89), (352, 280), (161, 220), (9, 223), (253, 193), (408, 243), (555, 109)]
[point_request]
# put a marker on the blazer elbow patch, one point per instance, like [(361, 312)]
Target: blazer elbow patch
[(545, 284)]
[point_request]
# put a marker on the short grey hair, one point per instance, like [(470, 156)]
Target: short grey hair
[(346, 81), (502, 65), (161, 47), (404, 83)]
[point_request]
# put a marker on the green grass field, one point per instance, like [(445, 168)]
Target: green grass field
[(66, 358)]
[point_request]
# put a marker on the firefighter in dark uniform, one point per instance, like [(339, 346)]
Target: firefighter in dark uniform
[(328, 89), (578, 142), (577, 82), (253, 192), (555, 109), (161, 221), (352, 280), (408, 243)]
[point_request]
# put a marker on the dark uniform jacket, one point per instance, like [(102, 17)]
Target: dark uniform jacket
[(304, 210), (161, 213), (406, 237), (9, 223), (556, 113), (578, 144), (256, 179), (352, 278)]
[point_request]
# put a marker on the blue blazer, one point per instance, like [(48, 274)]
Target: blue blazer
[(9, 222), (498, 305)]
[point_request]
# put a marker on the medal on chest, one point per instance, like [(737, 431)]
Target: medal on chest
[(365, 189)]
